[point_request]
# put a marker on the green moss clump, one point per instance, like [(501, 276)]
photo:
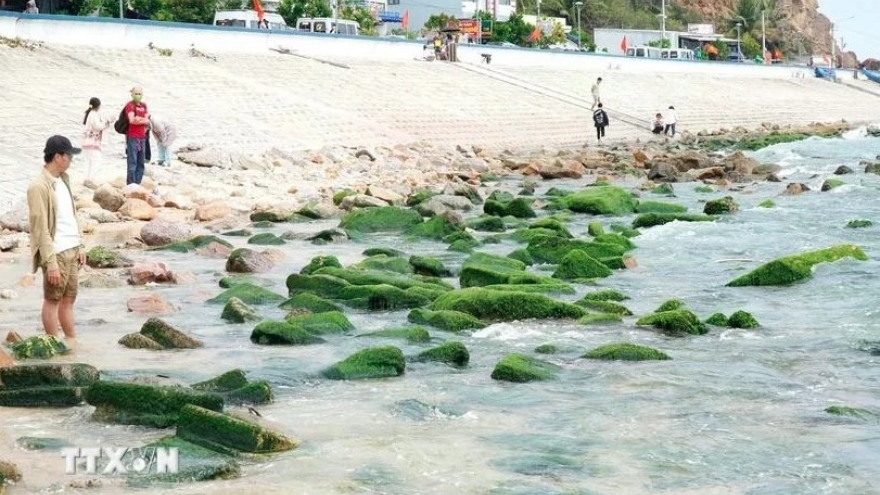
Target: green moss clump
[(523, 256), (767, 203), (487, 223), (238, 233), (854, 412), (546, 349), (604, 306), (742, 319), (606, 295), (438, 228), (527, 234), (626, 352), (551, 249), (617, 239), (654, 219), (383, 297), (196, 242), (320, 262), (338, 196), (670, 305), (381, 262), (517, 208), (231, 280), (758, 142), (452, 353), (225, 382), (553, 224), (273, 216), (227, 434), (595, 229), (505, 306), (659, 207), (235, 388), (554, 288), (322, 285), (579, 265), (373, 362), (270, 332), (145, 405), (380, 219), (704, 189), (601, 200), (379, 277), (720, 206), (38, 347), (624, 230), (248, 294), (29, 376), (414, 335), (266, 239), (519, 368), (473, 275), (717, 319), (309, 302), (451, 321), (593, 318), (858, 224), (664, 189), (428, 266), (101, 257), (322, 323), (390, 252), (167, 336), (420, 196), (830, 184), (463, 245), (675, 323), (791, 269)]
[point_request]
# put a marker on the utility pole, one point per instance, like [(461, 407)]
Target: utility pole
[(763, 39), (662, 22), (832, 63), (538, 4), (121, 11), (579, 4)]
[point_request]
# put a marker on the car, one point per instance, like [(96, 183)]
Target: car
[(504, 44), (736, 57)]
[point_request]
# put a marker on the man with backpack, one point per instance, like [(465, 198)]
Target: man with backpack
[(136, 122), (600, 119)]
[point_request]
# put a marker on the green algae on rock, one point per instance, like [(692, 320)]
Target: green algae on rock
[(519, 368), (551, 249), (599, 200), (322, 323), (604, 306), (248, 294), (451, 321), (379, 277), (605, 295), (45, 385), (594, 318), (791, 269), (720, 206), (101, 257), (428, 266), (674, 323), (236, 311), (553, 224), (145, 405), (487, 223), (853, 412), (546, 349), (196, 242), (167, 336), (200, 464), (859, 224), (625, 351), (380, 219), (555, 288), (414, 334), (767, 203), (272, 332), (717, 319), (452, 353), (228, 434), (235, 388), (310, 302), (373, 362), (659, 207), (654, 219), (579, 265), (266, 239), (438, 227), (320, 262), (38, 347), (517, 208), (742, 319), (670, 305), (505, 306), (595, 228), (321, 285), (384, 297)]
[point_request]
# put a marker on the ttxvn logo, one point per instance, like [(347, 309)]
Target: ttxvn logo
[(121, 460)]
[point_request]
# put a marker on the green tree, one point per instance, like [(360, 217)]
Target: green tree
[(515, 30), (195, 11), (438, 21), (661, 43), (750, 46), (231, 5), (292, 10), (362, 15)]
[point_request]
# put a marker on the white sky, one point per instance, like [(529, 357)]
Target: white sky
[(857, 22)]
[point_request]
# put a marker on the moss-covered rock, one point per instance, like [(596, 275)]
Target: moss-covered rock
[(505, 306), (378, 277), (654, 219), (859, 224), (328, 322), (101, 257), (523, 256), (555, 288), (791, 269), (853, 412), (604, 307), (227, 434), (338, 196), (606, 295), (599, 200), (675, 323), (595, 318), (382, 297), (451, 321), (659, 207), (579, 265), (553, 224), (322, 285), (196, 242), (420, 196), (463, 245), (438, 227), (381, 262), (236, 311), (38, 347), (271, 332), (624, 230), (517, 208), (167, 336), (717, 319), (309, 302), (248, 294), (670, 305), (373, 362), (595, 228), (238, 233), (720, 206), (235, 388), (767, 203), (233, 280), (487, 223), (617, 239), (519, 368), (625, 351), (475, 275), (546, 349), (139, 341), (45, 385), (226, 382), (266, 239), (742, 319), (551, 249), (200, 464), (145, 405), (387, 251), (320, 262), (452, 353), (664, 189), (381, 219), (413, 334), (273, 216), (428, 266)]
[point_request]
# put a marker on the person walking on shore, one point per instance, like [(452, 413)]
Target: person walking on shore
[(94, 125), (671, 120), (55, 236), (600, 119), (597, 99), (136, 136), (165, 133)]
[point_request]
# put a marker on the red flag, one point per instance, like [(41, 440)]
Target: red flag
[(536, 35), (622, 42), (405, 21), (259, 9)]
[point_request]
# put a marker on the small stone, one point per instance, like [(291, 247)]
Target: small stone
[(8, 294)]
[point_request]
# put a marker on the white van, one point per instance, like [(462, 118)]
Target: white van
[(676, 54), (327, 25), (643, 52), (248, 19)]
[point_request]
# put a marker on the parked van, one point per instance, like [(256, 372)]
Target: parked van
[(327, 25), (248, 19), (677, 54), (643, 52)]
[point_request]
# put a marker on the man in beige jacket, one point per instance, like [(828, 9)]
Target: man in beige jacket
[(56, 237)]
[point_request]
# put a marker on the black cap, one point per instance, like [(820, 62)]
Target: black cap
[(60, 144)]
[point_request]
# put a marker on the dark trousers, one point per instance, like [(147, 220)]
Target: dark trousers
[(135, 149), (670, 130), (600, 132)]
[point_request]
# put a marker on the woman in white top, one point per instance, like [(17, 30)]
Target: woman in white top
[(93, 131)]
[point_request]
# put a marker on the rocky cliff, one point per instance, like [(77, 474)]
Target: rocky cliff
[(795, 26)]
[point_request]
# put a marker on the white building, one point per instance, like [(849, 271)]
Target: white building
[(500, 9)]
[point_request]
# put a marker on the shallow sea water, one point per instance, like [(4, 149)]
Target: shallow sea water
[(734, 412)]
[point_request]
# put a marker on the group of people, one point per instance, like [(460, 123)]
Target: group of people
[(665, 125), (659, 125), (55, 233)]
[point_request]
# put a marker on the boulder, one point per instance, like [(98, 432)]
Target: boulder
[(139, 341), (45, 385), (599, 200), (212, 211), (144, 272), (373, 362), (328, 236), (200, 242), (145, 405), (227, 434), (101, 257), (439, 204), (505, 306), (383, 219), (452, 321), (108, 198), (327, 322), (519, 368), (578, 265), (387, 195), (167, 336), (271, 332), (413, 335), (452, 353), (236, 311), (790, 269), (795, 189), (843, 170), (245, 260), (675, 323), (353, 201), (159, 232), (137, 209), (149, 304), (306, 301), (625, 352), (5, 359), (235, 388), (247, 293), (654, 219), (663, 171), (720, 206)]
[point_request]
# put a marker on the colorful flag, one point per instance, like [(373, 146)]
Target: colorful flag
[(259, 9), (405, 21), (622, 43)]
